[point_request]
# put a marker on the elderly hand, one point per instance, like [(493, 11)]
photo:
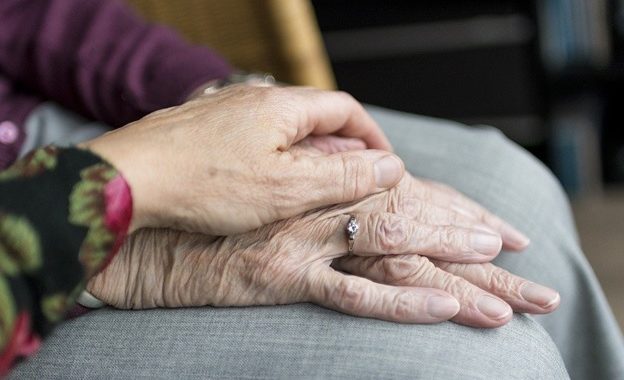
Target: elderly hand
[(286, 262), (472, 284), (425, 200), (220, 164), (289, 261), (484, 291)]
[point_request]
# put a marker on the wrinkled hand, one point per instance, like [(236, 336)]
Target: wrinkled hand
[(289, 262), (484, 291), (220, 164), (487, 294), (472, 284)]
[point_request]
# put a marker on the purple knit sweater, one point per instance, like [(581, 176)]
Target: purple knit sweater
[(94, 57)]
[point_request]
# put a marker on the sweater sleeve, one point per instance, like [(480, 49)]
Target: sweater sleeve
[(63, 215), (14, 110), (98, 58)]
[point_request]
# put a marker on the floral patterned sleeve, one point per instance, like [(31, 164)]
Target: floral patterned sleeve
[(63, 215)]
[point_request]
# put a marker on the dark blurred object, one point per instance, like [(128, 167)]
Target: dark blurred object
[(545, 72), (613, 79), (472, 61), (576, 48)]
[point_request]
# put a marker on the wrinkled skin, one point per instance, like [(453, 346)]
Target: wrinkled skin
[(414, 263)]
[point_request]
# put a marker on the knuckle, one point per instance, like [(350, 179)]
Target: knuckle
[(402, 306), (501, 281), (405, 269), (357, 177), (391, 233), (450, 240), (458, 287), (349, 101), (346, 96), (349, 295), (446, 266), (464, 291)]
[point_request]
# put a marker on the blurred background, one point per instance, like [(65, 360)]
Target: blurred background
[(548, 73)]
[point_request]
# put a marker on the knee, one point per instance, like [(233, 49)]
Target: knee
[(521, 349), (522, 173), (516, 160), (526, 350)]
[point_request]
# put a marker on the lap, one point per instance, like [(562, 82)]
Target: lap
[(294, 341)]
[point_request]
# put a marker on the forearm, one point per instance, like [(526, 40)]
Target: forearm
[(52, 241), (98, 58)]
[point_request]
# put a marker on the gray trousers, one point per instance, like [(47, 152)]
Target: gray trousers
[(581, 338)]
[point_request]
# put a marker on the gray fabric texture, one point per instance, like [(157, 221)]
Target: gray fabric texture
[(305, 341), (287, 342)]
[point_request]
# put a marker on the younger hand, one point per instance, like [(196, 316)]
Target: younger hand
[(220, 164)]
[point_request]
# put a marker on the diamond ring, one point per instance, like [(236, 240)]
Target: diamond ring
[(352, 230)]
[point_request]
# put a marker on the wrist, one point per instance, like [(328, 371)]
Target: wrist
[(116, 159)]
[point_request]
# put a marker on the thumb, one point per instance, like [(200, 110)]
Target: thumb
[(345, 177)]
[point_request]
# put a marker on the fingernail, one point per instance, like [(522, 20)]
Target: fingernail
[(539, 295), (486, 244), (440, 307), (492, 307), (514, 237), (388, 171)]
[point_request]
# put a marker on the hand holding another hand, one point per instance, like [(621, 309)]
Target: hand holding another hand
[(421, 256), (220, 163)]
